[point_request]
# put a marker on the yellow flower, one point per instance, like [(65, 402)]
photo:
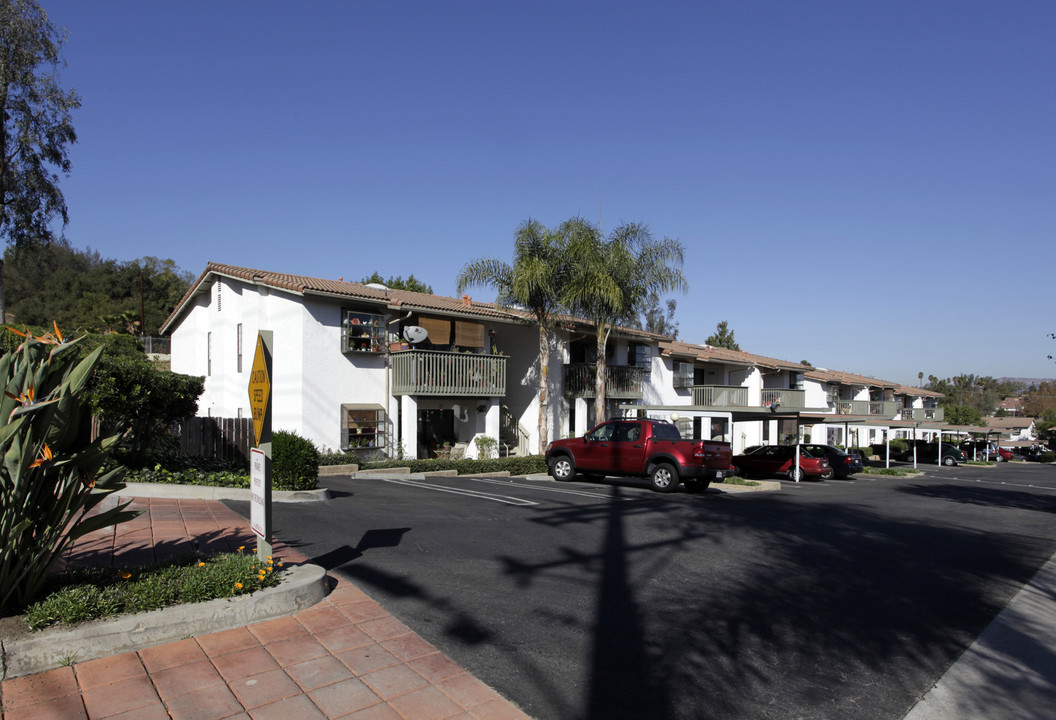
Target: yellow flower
[(241, 548), (201, 564), (124, 575), (238, 586)]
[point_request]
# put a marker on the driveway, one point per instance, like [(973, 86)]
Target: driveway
[(830, 599)]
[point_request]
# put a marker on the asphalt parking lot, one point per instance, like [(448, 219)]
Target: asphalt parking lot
[(830, 599)]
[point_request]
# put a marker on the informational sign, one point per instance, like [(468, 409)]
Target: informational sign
[(260, 453), (258, 514)]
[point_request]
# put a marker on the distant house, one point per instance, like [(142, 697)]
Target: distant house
[(1013, 430)]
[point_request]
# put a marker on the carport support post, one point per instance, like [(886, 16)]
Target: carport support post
[(915, 445), (797, 459)]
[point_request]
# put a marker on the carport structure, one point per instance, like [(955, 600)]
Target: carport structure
[(733, 416)]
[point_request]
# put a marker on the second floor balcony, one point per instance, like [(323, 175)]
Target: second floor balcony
[(936, 414), (880, 408), (622, 382), (737, 396), (429, 372)]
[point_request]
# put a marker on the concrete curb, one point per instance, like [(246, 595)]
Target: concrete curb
[(760, 486), (302, 586), (209, 492), (764, 485)]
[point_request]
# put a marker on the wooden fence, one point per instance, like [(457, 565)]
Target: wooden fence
[(217, 438)]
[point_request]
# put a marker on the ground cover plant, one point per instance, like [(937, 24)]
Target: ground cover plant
[(92, 593)]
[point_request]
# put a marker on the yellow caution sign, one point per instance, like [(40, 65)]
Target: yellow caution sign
[(259, 390)]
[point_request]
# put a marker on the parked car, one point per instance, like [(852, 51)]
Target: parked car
[(781, 460), (643, 448), (980, 450), (1003, 454), (1032, 453), (842, 464), (929, 452)]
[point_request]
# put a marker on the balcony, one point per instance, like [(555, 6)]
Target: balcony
[(429, 372), (936, 414), (720, 396), (622, 382), (785, 399), (880, 408)]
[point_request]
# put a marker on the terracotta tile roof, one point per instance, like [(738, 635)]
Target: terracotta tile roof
[(404, 300), (1009, 423), (707, 353), (845, 378), (917, 392)]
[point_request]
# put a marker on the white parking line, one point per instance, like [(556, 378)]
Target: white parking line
[(543, 488), (471, 493)]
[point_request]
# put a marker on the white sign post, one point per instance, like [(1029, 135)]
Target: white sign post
[(258, 516), (260, 454)]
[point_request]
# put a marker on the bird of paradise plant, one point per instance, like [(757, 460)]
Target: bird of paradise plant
[(51, 474)]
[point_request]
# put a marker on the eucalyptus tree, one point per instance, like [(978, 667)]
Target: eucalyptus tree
[(35, 127), (534, 281), (611, 280)]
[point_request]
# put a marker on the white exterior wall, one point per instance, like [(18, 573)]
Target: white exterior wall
[(311, 377)]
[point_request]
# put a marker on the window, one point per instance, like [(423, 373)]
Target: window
[(832, 393), (209, 353), (683, 374), (638, 355), (238, 332), (362, 426), (362, 332)]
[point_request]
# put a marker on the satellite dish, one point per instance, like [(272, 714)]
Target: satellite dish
[(414, 334)]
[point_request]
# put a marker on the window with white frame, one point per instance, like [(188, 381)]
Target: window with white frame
[(683, 374)]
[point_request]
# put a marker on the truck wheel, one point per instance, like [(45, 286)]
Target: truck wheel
[(562, 468), (664, 478)]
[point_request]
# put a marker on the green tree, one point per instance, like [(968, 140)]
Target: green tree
[(79, 289), (963, 415), (533, 281), (723, 337), (610, 280), (659, 319), (398, 283), (1040, 400), (36, 128)]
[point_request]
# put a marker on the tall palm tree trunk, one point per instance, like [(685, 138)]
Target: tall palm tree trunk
[(544, 388), (600, 375)]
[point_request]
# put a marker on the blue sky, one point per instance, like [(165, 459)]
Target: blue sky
[(867, 186)]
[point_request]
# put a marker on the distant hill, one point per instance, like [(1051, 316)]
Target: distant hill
[(1027, 382)]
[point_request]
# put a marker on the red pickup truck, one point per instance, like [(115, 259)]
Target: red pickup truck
[(642, 448)]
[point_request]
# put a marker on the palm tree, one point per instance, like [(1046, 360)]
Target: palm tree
[(533, 281), (610, 281)]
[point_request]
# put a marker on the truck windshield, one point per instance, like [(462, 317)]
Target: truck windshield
[(663, 431)]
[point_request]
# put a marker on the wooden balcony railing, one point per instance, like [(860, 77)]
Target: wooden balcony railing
[(880, 408), (621, 381), (720, 396), (429, 372), (936, 414), (785, 398)]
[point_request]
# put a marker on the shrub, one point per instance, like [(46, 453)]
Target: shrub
[(294, 462), (1047, 457), (52, 474)]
